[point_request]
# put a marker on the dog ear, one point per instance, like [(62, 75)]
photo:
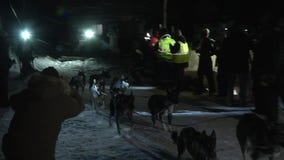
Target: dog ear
[(213, 134)]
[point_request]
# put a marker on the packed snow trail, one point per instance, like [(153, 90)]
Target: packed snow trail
[(89, 137)]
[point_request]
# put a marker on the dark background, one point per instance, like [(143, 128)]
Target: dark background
[(55, 21)]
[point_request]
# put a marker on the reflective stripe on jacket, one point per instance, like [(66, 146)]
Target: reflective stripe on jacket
[(184, 49), (164, 47)]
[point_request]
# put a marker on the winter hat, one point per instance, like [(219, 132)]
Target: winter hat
[(50, 71)]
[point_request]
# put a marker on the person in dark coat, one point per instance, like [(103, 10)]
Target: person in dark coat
[(236, 63), (181, 47), (5, 64), (40, 109), (221, 73), (165, 63), (265, 71), (206, 50), (24, 52)]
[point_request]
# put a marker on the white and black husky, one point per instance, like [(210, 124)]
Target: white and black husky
[(98, 96)]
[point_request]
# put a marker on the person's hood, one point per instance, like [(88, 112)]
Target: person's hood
[(165, 35), (43, 86)]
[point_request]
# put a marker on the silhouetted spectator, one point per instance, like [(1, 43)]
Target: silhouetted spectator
[(113, 44), (40, 109), (181, 49), (206, 49), (153, 48), (222, 76), (152, 58), (24, 53), (236, 63), (5, 64), (265, 78), (154, 41), (165, 57)]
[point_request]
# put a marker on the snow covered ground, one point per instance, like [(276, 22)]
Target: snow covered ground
[(88, 136)]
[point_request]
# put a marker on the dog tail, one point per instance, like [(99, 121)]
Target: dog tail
[(174, 136)]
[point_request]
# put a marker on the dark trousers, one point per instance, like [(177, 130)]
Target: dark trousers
[(222, 82), (179, 74), (4, 88), (166, 72), (243, 78), (208, 73)]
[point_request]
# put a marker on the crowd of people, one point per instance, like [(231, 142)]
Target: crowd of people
[(239, 60), (246, 65)]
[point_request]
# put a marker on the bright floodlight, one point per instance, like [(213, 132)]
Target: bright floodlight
[(26, 35), (89, 34)]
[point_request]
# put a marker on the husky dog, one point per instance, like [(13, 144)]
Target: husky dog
[(161, 105), (119, 85), (98, 95), (120, 105), (78, 82), (100, 79), (198, 144), (258, 137)]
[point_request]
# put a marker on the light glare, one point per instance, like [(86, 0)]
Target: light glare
[(89, 34), (26, 35)]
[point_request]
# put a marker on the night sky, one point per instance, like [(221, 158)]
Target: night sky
[(197, 9), (53, 16)]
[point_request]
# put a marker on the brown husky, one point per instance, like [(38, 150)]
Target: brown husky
[(258, 137), (161, 105)]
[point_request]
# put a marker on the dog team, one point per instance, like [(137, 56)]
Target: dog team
[(122, 104), (256, 136)]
